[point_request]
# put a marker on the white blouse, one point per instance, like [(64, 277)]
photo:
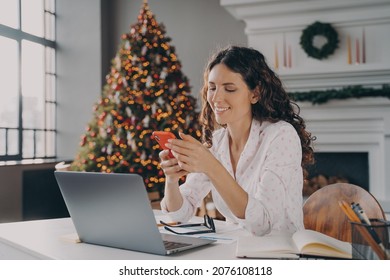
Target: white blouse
[(269, 170)]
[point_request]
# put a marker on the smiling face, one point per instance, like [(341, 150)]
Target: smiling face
[(229, 96)]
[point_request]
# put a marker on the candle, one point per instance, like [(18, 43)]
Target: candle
[(276, 57), (349, 50), (289, 56), (364, 47), (357, 52), (284, 51)]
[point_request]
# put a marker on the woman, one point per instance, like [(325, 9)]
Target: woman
[(254, 149)]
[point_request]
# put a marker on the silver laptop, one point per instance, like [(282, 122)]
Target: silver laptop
[(114, 210)]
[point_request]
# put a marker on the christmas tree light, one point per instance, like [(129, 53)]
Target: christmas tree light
[(144, 91)]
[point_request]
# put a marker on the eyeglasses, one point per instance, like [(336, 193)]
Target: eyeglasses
[(208, 223)]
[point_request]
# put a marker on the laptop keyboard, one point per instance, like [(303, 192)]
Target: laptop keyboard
[(169, 245)]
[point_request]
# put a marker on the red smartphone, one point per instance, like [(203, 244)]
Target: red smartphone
[(162, 138)]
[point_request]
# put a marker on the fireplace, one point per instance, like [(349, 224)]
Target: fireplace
[(352, 167), (338, 167), (353, 134)]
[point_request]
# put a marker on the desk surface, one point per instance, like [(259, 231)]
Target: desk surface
[(42, 239)]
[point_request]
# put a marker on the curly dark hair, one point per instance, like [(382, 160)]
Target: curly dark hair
[(273, 105)]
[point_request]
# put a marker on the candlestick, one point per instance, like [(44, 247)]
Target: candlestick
[(349, 51), (284, 51), (364, 46), (357, 52), (289, 56), (276, 57)]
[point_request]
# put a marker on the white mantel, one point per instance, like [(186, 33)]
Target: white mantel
[(355, 125), (352, 125), (276, 25)]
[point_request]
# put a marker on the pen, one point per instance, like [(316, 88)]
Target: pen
[(348, 211), (359, 210), (367, 236), (364, 220)]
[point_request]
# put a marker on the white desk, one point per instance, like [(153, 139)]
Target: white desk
[(41, 239)]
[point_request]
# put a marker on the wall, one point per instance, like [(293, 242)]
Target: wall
[(78, 69)]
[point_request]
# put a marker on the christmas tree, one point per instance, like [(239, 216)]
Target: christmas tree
[(144, 91)]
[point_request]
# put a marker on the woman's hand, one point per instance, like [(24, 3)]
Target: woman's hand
[(173, 172), (190, 154)]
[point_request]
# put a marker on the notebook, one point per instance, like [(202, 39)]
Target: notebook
[(113, 210)]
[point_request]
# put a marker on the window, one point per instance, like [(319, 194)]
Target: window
[(27, 79)]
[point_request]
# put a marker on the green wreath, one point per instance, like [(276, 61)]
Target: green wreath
[(322, 29)]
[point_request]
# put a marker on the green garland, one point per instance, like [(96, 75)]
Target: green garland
[(323, 29), (320, 97)]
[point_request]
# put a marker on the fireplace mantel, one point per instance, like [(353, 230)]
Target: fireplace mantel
[(355, 125), (274, 27), (352, 125)]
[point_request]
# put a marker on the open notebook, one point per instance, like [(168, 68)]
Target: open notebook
[(301, 243)]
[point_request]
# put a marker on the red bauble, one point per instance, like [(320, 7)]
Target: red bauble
[(102, 115), (83, 140), (117, 87), (127, 122)]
